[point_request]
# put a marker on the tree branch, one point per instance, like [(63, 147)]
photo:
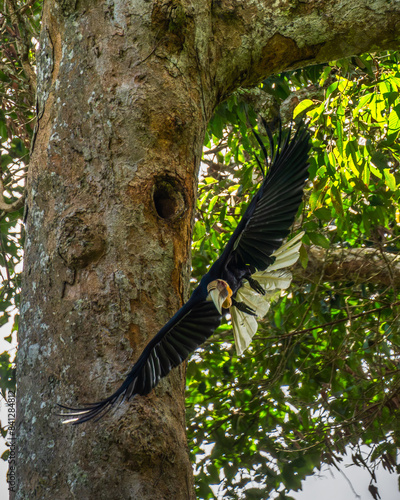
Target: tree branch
[(266, 43), (22, 43), (359, 265), (10, 207)]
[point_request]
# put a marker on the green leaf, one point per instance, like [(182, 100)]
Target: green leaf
[(302, 106), (394, 119), (303, 257), (337, 200), (319, 239), (379, 160), (390, 179), (199, 230), (377, 107), (326, 72), (255, 494), (323, 214), (364, 100), (3, 131), (331, 88), (339, 132)]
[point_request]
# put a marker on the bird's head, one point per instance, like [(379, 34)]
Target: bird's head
[(220, 293)]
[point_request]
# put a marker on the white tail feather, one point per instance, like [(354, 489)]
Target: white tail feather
[(272, 280), (244, 328)]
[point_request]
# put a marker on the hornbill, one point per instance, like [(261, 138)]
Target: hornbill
[(241, 281)]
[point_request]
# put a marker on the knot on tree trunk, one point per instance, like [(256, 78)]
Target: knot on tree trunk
[(80, 241)]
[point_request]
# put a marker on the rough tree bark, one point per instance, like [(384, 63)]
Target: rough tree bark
[(357, 265), (125, 90)]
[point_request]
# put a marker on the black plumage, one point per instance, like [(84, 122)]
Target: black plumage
[(258, 235)]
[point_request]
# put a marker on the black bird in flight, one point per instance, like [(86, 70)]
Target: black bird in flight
[(241, 282)]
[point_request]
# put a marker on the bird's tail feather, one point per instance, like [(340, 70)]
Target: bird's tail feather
[(79, 415), (272, 280)]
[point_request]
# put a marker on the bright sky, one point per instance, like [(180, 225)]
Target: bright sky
[(350, 484)]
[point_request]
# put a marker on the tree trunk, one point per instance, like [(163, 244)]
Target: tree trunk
[(110, 207), (125, 90)]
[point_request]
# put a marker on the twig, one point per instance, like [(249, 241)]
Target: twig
[(22, 44), (3, 253), (25, 7), (337, 321), (10, 207)]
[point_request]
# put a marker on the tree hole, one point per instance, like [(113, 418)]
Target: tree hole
[(168, 199)]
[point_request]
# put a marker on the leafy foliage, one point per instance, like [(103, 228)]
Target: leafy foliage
[(323, 371), (19, 23)]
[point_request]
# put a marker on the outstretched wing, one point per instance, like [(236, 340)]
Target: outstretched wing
[(192, 325), (257, 243), (270, 214), (275, 278)]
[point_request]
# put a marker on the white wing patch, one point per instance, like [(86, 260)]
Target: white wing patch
[(272, 280)]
